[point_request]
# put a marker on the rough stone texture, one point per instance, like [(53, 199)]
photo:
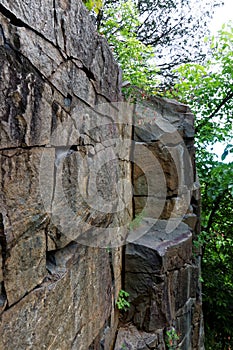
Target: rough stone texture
[(164, 135), (161, 272), (58, 177), (162, 284), (68, 308), (66, 196), (130, 338)]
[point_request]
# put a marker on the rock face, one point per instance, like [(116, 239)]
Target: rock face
[(162, 282), (71, 151), (58, 283), (161, 271)]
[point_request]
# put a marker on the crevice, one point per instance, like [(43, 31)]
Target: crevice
[(24, 147), (123, 268), (57, 260), (63, 32), (88, 73), (111, 267), (91, 138), (55, 31), (175, 195), (62, 152), (40, 285), (3, 241), (154, 196), (3, 252), (21, 24), (13, 19), (80, 66), (54, 16), (101, 95), (3, 298), (115, 338), (77, 335), (59, 269), (2, 34)]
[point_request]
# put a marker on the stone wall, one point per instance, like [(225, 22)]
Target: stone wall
[(58, 283), (71, 151), (162, 269)]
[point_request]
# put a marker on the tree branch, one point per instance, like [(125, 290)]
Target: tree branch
[(166, 33), (228, 97)]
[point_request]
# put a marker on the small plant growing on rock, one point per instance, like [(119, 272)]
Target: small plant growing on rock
[(122, 303), (135, 223), (171, 339), (124, 347), (93, 5)]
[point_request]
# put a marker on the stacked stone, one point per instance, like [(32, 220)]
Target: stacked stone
[(161, 270)]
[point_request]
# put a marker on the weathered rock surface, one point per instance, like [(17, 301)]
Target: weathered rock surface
[(130, 338), (164, 135), (69, 308), (58, 179), (68, 163), (161, 273)]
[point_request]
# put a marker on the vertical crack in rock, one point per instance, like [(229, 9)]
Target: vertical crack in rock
[(3, 250), (111, 267), (2, 36), (54, 13), (60, 26), (55, 22), (63, 33)]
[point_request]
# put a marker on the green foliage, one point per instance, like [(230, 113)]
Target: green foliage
[(174, 29), (171, 339), (124, 347), (134, 57), (217, 272), (135, 223), (94, 5), (209, 91), (122, 303)]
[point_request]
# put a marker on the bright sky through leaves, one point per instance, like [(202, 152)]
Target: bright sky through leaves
[(222, 15)]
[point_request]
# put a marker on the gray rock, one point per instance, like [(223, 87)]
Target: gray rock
[(58, 187)]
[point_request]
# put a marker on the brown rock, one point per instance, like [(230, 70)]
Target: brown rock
[(61, 179), (148, 262), (130, 338), (25, 268), (73, 297)]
